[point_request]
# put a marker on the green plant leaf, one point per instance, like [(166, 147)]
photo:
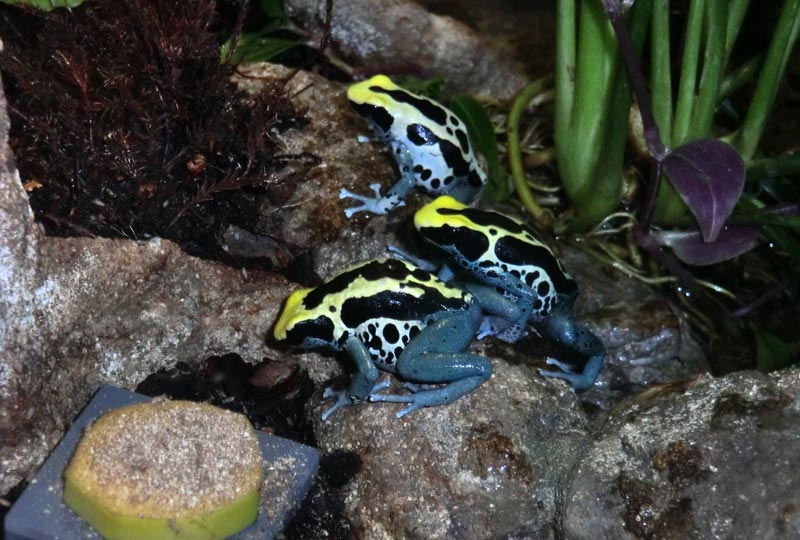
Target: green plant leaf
[(45, 5), (274, 9), (430, 88), (772, 353), (481, 133), (256, 47)]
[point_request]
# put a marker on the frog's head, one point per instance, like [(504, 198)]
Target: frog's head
[(445, 223), (301, 327), (372, 100)]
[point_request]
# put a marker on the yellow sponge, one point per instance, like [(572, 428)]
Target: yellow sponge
[(166, 470)]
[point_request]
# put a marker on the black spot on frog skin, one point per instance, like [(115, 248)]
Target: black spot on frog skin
[(427, 107), (531, 278), (421, 275), (462, 140), (418, 169), (469, 243), (420, 135), (426, 174), (435, 183), (319, 328), (454, 158), (448, 180), (375, 343), (390, 333), (516, 252), (543, 288), (377, 115)]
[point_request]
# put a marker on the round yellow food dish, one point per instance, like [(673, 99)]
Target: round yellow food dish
[(166, 470)]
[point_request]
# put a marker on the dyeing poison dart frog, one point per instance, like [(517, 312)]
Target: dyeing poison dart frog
[(390, 315), (428, 141), (503, 253)]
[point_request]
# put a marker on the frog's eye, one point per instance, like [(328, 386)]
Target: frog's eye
[(311, 332)]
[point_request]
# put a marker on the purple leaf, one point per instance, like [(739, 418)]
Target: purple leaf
[(692, 249), (709, 176)]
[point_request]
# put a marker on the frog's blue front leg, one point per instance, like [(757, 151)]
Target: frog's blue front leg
[(435, 356), (503, 316), (394, 198), (362, 382), (465, 193), (562, 328)]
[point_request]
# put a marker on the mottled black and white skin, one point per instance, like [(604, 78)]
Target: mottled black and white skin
[(428, 141), (504, 253), (390, 315)]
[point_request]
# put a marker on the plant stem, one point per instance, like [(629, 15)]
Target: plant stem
[(783, 40), (565, 67), (688, 80), (736, 13), (660, 72), (740, 76), (713, 66), (594, 72), (514, 152), (776, 166), (636, 78)]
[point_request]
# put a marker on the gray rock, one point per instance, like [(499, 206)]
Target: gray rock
[(402, 34), (486, 466), (648, 341), (714, 458)]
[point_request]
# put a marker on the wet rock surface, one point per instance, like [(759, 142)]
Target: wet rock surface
[(487, 466), (648, 341), (714, 458)]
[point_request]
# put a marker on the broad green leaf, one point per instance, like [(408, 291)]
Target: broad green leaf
[(772, 353), (274, 9), (46, 5), (256, 47), (481, 133), (430, 88)]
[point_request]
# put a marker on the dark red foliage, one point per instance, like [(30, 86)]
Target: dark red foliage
[(124, 122)]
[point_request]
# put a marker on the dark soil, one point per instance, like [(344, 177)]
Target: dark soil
[(125, 123)]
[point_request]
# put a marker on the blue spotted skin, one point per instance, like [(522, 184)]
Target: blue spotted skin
[(428, 141), (503, 253), (390, 315)]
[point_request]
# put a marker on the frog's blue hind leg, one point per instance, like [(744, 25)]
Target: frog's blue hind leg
[(362, 382), (561, 328), (435, 356), (394, 197)]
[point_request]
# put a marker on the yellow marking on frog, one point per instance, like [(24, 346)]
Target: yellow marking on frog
[(294, 306), (296, 311), (428, 215), (361, 93)]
